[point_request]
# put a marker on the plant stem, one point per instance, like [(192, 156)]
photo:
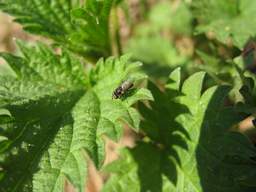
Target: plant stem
[(117, 32)]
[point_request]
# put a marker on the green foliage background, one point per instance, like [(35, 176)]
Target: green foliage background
[(192, 64)]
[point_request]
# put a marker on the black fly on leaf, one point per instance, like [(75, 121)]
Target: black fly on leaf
[(122, 89)]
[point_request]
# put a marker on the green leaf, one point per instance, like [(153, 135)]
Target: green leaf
[(232, 19), (188, 145), (54, 113), (92, 37), (47, 18), (134, 164), (61, 160), (45, 90), (36, 63), (81, 29), (105, 78)]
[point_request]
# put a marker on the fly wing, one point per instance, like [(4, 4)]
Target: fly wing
[(126, 85)]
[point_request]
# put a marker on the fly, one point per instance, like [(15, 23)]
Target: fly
[(122, 89)]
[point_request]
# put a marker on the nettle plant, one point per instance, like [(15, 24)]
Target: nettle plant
[(57, 107)]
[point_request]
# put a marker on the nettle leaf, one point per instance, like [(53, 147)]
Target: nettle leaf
[(232, 19), (104, 78), (83, 29), (92, 38), (136, 170), (36, 64), (39, 99), (47, 18), (188, 146), (53, 116)]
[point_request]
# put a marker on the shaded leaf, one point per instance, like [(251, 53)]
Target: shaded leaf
[(189, 142)]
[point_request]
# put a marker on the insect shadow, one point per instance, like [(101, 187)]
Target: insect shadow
[(129, 93)]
